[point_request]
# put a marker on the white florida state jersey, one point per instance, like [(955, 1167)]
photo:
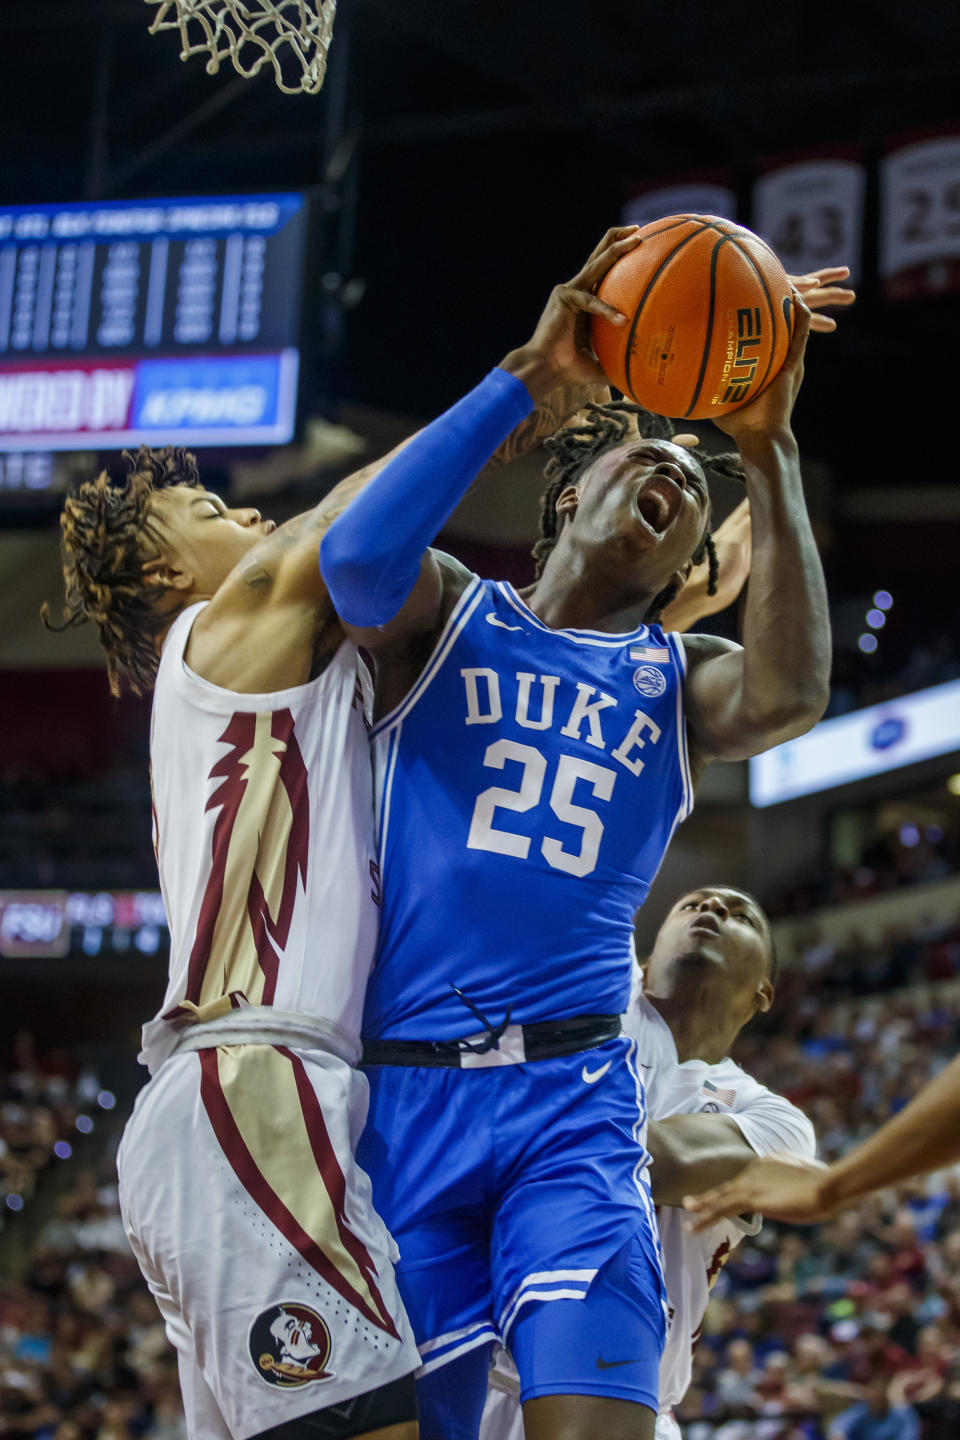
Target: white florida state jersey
[(263, 829), (691, 1263)]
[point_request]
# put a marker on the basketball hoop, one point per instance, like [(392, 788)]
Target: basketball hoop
[(293, 35)]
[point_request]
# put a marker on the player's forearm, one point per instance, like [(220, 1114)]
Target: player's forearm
[(786, 623), (922, 1137), (549, 415), (692, 1153), (370, 557)]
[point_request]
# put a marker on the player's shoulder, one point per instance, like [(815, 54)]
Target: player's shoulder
[(751, 1101), (733, 1077), (748, 1090)]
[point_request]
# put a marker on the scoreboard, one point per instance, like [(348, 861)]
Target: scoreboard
[(52, 923), (156, 321)]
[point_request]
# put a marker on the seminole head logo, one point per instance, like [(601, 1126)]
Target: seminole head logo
[(290, 1346)]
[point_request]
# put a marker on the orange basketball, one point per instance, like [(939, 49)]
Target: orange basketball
[(709, 311)]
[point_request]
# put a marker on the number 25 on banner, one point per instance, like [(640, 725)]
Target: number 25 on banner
[(920, 219)]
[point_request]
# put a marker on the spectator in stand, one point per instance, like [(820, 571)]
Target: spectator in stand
[(875, 1418)]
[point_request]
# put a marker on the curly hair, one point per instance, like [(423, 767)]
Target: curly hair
[(106, 535), (574, 448)]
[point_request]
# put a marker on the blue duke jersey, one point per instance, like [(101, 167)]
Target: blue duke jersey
[(528, 787)]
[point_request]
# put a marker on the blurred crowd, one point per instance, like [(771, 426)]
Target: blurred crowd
[(83, 1355), (860, 966), (911, 854), (48, 1105), (850, 1329)]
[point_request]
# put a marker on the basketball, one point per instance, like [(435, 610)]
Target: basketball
[(709, 311)]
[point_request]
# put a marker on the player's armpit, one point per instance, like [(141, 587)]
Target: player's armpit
[(441, 582), (401, 648), (693, 1153)]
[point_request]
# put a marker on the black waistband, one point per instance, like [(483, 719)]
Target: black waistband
[(541, 1041)]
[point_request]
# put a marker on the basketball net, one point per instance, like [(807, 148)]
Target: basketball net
[(292, 35)]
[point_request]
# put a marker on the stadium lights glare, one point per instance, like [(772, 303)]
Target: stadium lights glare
[(876, 619), (867, 643), (883, 600), (953, 784)]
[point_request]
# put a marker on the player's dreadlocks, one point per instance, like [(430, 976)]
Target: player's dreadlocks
[(575, 447), (107, 537)]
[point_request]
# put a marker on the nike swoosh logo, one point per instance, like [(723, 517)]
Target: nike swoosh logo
[(591, 1076), (612, 1364), (502, 624)]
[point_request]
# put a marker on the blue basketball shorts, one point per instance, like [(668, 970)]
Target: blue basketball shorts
[(513, 1186)]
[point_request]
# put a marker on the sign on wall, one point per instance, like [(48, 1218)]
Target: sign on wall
[(864, 743)]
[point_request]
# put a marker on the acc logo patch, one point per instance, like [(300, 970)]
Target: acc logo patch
[(290, 1346), (649, 680)]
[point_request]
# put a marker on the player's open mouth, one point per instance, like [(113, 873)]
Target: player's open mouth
[(658, 503), (706, 924)]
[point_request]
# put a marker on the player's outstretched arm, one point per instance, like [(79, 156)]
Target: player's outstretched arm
[(692, 1153), (291, 559), (741, 701), (385, 584), (272, 622), (699, 1151), (922, 1137)]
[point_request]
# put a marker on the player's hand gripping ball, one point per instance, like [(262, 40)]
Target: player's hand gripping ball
[(709, 310)]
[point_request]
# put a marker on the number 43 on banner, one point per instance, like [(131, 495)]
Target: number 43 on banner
[(811, 212)]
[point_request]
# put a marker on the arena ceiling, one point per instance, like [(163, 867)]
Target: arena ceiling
[(480, 145)]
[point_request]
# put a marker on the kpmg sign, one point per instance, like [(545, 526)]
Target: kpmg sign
[(167, 321), (853, 747)]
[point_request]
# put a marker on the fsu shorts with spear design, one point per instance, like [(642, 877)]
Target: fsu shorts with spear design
[(255, 1230)]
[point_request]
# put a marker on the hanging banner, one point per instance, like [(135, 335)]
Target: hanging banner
[(811, 213), (689, 198), (920, 219)]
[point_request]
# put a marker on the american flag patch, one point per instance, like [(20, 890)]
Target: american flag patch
[(653, 654), (711, 1092)]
